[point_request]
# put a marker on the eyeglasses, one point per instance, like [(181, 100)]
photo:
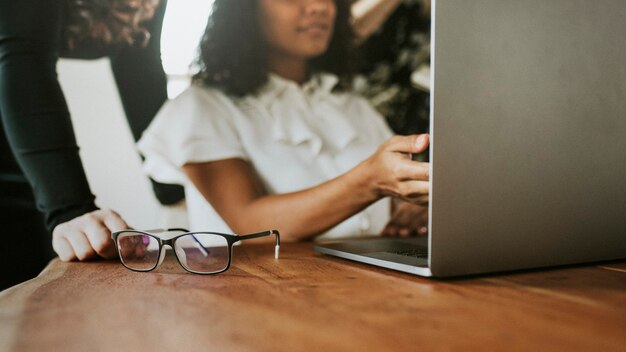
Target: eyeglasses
[(197, 252)]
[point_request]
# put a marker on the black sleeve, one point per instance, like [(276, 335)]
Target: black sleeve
[(142, 85), (33, 109)]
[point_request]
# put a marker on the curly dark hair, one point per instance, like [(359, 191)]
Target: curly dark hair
[(108, 21), (233, 55)]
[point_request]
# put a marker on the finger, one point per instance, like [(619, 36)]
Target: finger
[(408, 144), (414, 190), (114, 221), (392, 230), (80, 245), (419, 200), (422, 231), (413, 170), (110, 252), (404, 232), (63, 249), (99, 238)]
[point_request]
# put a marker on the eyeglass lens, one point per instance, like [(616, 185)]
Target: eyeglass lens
[(203, 253), (138, 251)]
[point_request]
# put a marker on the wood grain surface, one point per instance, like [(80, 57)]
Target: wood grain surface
[(310, 302)]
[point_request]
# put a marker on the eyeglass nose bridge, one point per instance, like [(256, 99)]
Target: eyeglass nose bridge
[(178, 252), (161, 256)]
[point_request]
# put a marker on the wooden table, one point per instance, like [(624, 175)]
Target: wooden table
[(310, 302)]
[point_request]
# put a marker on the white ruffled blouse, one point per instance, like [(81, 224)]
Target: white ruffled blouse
[(296, 137)]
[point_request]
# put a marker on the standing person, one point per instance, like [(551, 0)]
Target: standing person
[(270, 135), (40, 168)]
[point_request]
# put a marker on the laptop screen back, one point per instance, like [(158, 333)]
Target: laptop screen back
[(528, 134)]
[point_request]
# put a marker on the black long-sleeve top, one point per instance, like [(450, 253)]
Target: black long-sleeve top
[(37, 144)]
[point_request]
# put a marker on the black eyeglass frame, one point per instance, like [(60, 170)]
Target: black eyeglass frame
[(231, 239)]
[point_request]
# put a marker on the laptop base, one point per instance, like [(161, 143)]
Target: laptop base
[(408, 255)]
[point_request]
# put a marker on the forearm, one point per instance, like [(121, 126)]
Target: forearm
[(43, 143), (33, 110), (310, 212), (369, 15), (238, 196)]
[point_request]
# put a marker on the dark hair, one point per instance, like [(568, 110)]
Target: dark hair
[(108, 21), (233, 54)]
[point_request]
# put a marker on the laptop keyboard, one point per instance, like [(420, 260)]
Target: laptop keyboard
[(413, 252)]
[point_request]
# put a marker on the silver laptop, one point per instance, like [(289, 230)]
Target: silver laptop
[(528, 132)]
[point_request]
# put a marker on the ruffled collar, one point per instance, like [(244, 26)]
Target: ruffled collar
[(318, 86), (294, 125)]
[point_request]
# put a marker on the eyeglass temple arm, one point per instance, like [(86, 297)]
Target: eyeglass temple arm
[(263, 234)]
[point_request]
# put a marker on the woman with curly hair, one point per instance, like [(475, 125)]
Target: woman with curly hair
[(40, 168), (270, 135)]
